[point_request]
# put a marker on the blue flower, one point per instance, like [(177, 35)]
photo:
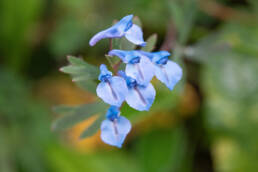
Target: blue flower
[(167, 71), (115, 128), (139, 97), (138, 66), (124, 27), (111, 89)]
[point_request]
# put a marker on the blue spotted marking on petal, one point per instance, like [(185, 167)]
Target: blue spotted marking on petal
[(143, 72), (112, 113), (140, 97), (116, 31), (115, 132), (159, 55), (113, 91), (135, 35), (104, 73), (169, 74)]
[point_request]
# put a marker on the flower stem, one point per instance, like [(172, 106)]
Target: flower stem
[(110, 44), (116, 66)]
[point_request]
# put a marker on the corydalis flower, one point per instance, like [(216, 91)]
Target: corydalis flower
[(115, 128), (124, 27), (138, 66), (167, 71), (139, 97), (111, 89)]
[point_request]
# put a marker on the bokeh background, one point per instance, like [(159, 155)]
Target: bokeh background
[(209, 123)]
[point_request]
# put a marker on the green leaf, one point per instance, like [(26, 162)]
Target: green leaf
[(93, 128), (82, 73), (137, 21), (80, 67), (112, 60), (88, 85), (116, 43), (171, 154), (126, 45), (75, 60), (183, 14), (74, 115), (151, 42)]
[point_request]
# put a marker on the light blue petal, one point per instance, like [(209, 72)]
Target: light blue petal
[(119, 53), (126, 56), (124, 24), (149, 55), (108, 33), (115, 132), (104, 72), (113, 92), (135, 35), (143, 72), (159, 55), (141, 98), (169, 74), (116, 31)]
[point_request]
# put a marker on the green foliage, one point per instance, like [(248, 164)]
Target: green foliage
[(82, 73), (183, 14), (151, 43), (16, 25), (74, 115), (221, 65), (169, 156), (137, 21), (93, 128), (24, 126)]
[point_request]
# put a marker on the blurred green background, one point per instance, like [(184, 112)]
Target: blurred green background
[(208, 123)]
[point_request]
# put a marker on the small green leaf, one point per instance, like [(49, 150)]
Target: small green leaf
[(151, 42), (63, 109), (116, 43), (82, 73), (74, 115), (88, 85), (74, 69), (75, 60), (91, 130), (137, 21), (126, 45), (112, 59)]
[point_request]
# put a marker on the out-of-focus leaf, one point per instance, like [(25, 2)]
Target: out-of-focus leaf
[(68, 36), (74, 115), (151, 42), (116, 43), (83, 74), (170, 154), (126, 45), (183, 14), (15, 45), (137, 21), (113, 60), (93, 128), (81, 68), (64, 160)]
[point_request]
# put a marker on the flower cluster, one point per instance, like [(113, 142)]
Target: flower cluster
[(133, 84)]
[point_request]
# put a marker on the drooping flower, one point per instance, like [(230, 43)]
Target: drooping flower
[(138, 66), (139, 97), (167, 71), (124, 27), (115, 128), (111, 89)]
